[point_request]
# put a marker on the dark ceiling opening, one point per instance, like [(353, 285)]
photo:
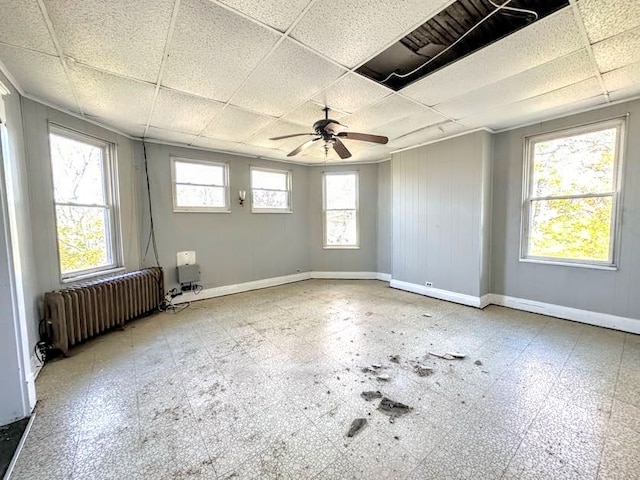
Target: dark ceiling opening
[(462, 28)]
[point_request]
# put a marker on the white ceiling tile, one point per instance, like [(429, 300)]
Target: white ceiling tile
[(309, 113), (606, 18), (351, 93), (286, 79), (120, 36), (563, 100), (235, 124), (39, 75), (618, 51), (169, 136), (406, 125), (427, 134), (550, 76), (22, 25), (213, 50), (182, 112), (392, 108), (550, 38), (278, 14), (351, 32), (623, 78), (116, 98), (277, 129)]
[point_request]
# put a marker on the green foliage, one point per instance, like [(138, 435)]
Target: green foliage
[(81, 238)]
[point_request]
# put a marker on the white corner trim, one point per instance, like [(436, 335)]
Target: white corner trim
[(385, 277), (462, 298), (606, 320)]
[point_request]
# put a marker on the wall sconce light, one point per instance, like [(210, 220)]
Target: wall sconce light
[(242, 194)]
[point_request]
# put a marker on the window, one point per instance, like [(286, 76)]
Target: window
[(85, 199), (341, 210), (200, 186), (270, 190), (572, 195)]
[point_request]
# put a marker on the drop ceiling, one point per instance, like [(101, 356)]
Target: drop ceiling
[(227, 75)]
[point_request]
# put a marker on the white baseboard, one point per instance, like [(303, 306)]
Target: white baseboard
[(36, 366), (241, 287), (345, 275), (461, 298), (606, 320), (584, 316)]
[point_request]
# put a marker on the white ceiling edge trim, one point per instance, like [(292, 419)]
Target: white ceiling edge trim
[(442, 139), (565, 115), (12, 80), (78, 116), (348, 164)]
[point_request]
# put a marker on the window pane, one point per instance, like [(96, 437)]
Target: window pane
[(198, 196), (82, 237), (270, 199), (269, 180), (340, 191), (78, 171), (575, 165), (341, 227), (199, 173), (576, 229)]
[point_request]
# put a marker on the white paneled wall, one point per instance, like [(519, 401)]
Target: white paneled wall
[(440, 204)]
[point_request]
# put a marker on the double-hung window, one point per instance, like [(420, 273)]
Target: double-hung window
[(199, 185), (85, 196), (340, 205), (572, 195), (270, 190)]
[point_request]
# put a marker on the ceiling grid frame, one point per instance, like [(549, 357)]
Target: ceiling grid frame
[(585, 38), (61, 56)]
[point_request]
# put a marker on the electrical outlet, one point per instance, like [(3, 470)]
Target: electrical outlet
[(428, 284)]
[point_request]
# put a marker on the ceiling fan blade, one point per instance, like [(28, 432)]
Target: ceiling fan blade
[(303, 146), (335, 127), (289, 136), (365, 137), (340, 149)]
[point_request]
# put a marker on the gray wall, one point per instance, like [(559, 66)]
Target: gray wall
[(36, 124), (439, 209), (365, 258), (384, 217), (231, 247), (612, 292)]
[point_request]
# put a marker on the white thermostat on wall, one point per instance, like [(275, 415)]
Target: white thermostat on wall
[(186, 258)]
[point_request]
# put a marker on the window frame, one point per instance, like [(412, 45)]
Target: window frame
[(182, 209), (325, 245), (619, 123), (289, 173), (111, 206)]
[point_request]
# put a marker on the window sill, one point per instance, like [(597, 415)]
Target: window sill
[(86, 276), (342, 247), (198, 210), (593, 266)]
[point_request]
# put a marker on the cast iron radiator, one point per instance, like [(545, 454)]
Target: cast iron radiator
[(87, 309)]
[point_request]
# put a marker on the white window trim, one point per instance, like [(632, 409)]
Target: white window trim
[(616, 195), (289, 190), (181, 209), (324, 212), (112, 205)]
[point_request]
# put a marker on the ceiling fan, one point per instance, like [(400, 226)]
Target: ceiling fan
[(331, 131)]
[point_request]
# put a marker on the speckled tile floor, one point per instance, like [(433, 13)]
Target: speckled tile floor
[(265, 384)]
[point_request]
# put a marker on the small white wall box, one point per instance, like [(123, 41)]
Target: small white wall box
[(188, 274), (186, 258)]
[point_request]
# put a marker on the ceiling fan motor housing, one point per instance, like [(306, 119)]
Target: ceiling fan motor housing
[(320, 128)]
